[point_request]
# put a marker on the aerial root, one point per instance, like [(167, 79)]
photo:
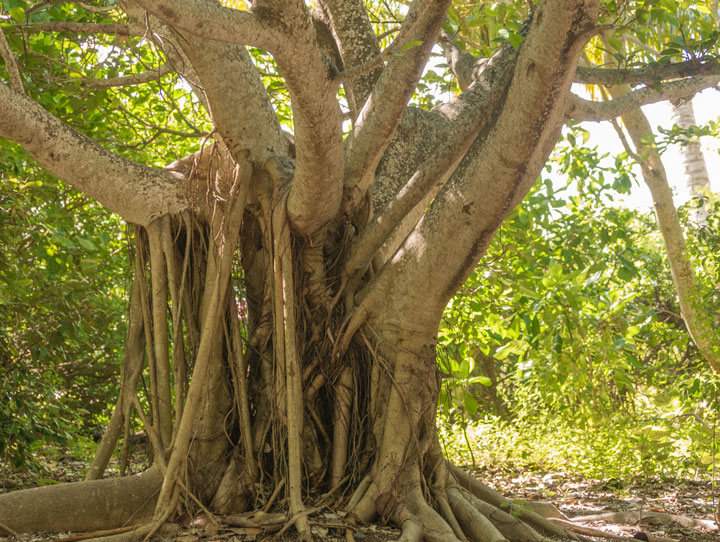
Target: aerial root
[(7, 530)]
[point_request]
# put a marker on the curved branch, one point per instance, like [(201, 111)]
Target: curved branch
[(10, 64), (137, 193), (647, 75), (236, 98), (382, 111), (581, 109), (501, 166), (316, 190), (212, 21), (226, 82)]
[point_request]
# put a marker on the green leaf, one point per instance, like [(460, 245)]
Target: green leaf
[(409, 45), (615, 44), (471, 404), (484, 380), (516, 40), (18, 14)]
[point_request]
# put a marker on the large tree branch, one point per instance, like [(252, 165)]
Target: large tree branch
[(226, 82), (137, 193), (455, 125), (357, 43), (501, 166), (316, 190), (212, 21), (647, 75), (581, 109), (236, 98), (382, 111)]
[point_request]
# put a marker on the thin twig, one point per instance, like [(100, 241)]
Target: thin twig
[(8, 530)]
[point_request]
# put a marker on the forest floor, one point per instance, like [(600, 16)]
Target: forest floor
[(670, 508)]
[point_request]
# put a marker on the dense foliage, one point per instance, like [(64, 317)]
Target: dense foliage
[(566, 346), (62, 305)]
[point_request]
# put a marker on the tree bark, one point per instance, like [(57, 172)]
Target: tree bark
[(696, 174), (696, 317)]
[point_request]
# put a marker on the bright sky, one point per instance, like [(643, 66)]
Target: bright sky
[(707, 107)]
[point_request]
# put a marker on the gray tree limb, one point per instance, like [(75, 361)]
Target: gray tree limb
[(581, 109), (212, 21), (316, 189), (647, 75), (137, 193), (500, 168), (356, 41), (382, 111)]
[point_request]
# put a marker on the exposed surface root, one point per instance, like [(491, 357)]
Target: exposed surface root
[(474, 523), (510, 526), (82, 506), (588, 531), (490, 496), (637, 516), (435, 528)]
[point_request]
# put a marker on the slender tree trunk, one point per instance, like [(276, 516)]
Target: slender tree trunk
[(697, 320), (696, 174)]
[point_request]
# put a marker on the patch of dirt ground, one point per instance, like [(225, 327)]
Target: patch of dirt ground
[(683, 510), (656, 511)]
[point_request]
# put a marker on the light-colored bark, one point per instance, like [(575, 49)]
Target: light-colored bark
[(381, 113), (696, 174), (581, 109), (356, 42), (648, 75), (82, 506), (137, 193), (499, 169), (212, 21), (695, 315)]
